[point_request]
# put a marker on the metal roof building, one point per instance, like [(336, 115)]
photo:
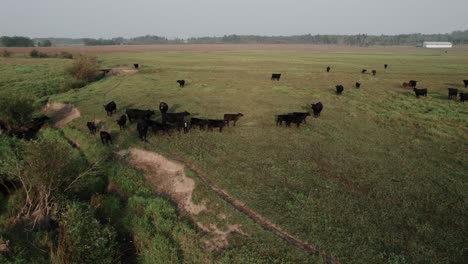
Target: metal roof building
[(437, 44)]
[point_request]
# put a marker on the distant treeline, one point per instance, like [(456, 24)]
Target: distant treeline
[(456, 37)]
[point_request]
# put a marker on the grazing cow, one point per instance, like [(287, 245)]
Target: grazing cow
[(215, 123), (163, 107), (201, 123), (232, 117), (358, 85), (105, 137), (463, 97), (122, 121), (328, 69), (317, 108), (298, 119), (300, 115), (142, 127), (385, 66), (275, 76), (156, 126), (339, 89), (92, 127), (413, 83), (134, 114), (363, 71), (181, 83), (110, 108), (174, 117), (374, 72), (419, 92), (452, 92), (466, 83), (136, 66), (284, 118), (406, 85)]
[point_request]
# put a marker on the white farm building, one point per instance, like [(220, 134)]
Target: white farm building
[(437, 45)]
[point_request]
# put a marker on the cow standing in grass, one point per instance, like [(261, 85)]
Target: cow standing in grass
[(420, 92), (92, 127), (328, 69), (232, 117), (275, 76), (122, 121), (110, 108), (339, 89), (465, 82), (317, 108), (106, 138)]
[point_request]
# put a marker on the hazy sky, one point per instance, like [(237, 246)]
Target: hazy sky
[(187, 18)]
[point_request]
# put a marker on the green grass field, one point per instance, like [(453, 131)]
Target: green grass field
[(380, 177)]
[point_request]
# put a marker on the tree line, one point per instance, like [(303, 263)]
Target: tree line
[(456, 37)]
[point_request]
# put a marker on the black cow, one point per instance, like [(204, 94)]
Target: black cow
[(328, 69), (419, 92), (122, 121), (232, 117), (284, 118), (136, 66), (374, 72), (110, 108), (275, 76), (215, 123), (301, 115), (358, 85), (105, 137), (452, 92), (463, 97), (135, 114), (201, 123), (174, 117), (339, 89), (92, 127), (156, 126), (363, 71), (317, 108), (413, 83), (466, 83), (163, 107), (181, 83), (298, 119), (385, 66), (142, 128)]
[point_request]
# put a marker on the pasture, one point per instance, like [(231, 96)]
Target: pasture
[(379, 177)]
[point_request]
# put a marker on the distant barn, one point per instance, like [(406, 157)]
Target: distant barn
[(437, 45)]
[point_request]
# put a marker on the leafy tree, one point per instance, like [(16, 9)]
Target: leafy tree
[(16, 41)]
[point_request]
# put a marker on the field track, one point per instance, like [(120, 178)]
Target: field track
[(257, 218)]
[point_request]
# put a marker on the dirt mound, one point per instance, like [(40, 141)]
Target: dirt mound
[(60, 113), (166, 177)]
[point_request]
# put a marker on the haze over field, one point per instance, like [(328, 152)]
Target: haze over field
[(186, 18)]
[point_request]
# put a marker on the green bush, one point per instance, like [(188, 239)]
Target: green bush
[(16, 110), (6, 53), (37, 54), (84, 68), (82, 239)]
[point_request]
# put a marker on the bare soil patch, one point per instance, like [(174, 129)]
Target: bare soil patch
[(60, 113), (122, 71), (166, 177)]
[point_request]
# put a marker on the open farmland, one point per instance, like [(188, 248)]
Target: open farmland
[(380, 177)]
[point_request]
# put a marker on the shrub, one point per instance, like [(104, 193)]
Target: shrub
[(16, 110), (6, 53), (82, 239), (74, 84), (84, 68), (37, 54), (66, 55)]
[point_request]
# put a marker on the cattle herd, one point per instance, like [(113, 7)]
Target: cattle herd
[(144, 121), (183, 121)]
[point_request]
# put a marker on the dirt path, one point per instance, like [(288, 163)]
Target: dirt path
[(255, 216), (60, 113)]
